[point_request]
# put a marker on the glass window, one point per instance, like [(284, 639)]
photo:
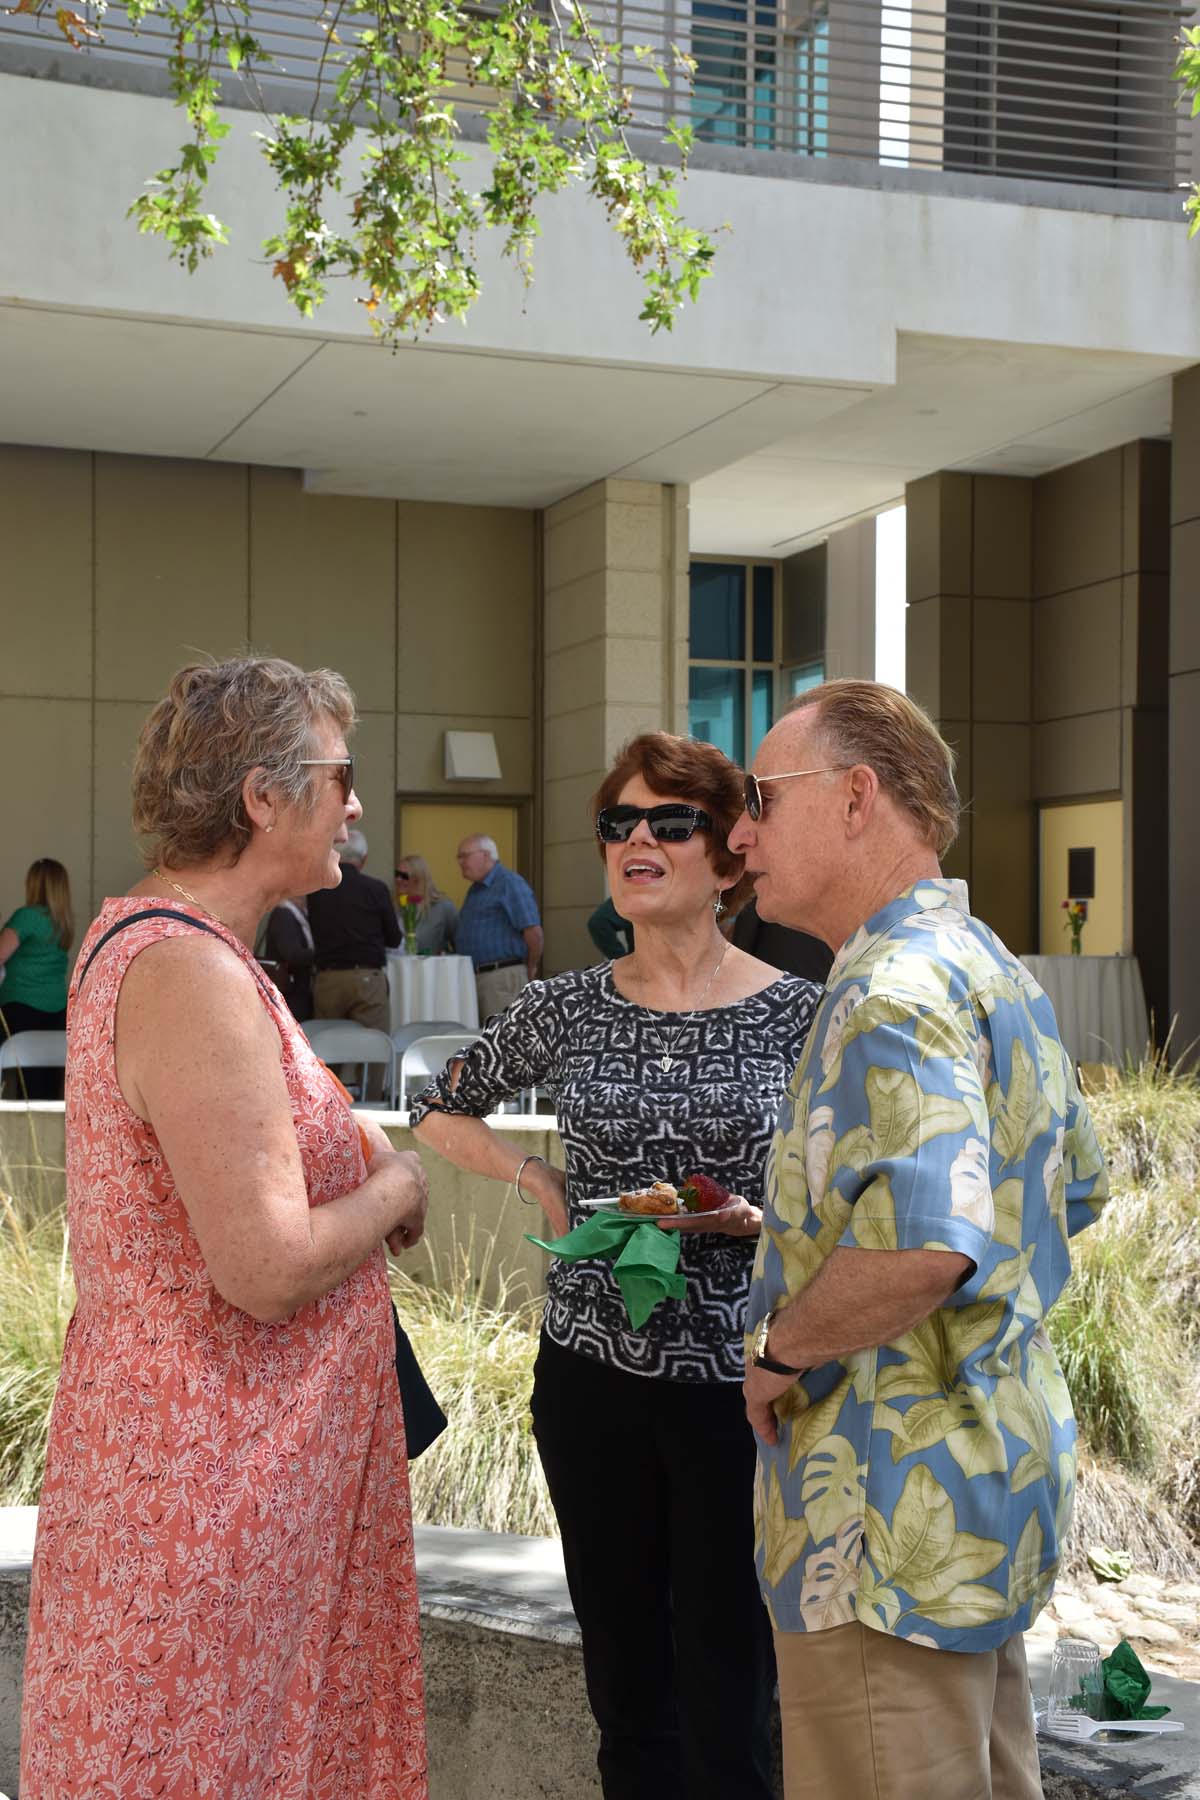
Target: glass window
[(798, 681), (718, 612), (764, 614), (762, 707), (717, 708)]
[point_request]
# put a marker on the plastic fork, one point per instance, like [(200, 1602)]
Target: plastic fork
[(1075, 1724)]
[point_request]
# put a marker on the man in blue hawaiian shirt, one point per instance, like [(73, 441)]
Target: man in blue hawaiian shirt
[(916, 1441)]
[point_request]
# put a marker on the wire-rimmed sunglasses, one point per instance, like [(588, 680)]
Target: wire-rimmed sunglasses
[(344, 766), (754, 784), (672, 823)]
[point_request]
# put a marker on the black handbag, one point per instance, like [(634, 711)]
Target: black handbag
[(424, 1419)]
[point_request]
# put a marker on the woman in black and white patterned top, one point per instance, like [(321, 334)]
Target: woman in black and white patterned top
[(669, 1062)]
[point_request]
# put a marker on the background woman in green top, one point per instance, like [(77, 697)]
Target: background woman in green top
[(33, 955)]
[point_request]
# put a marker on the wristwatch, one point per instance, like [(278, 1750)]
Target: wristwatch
[(759, 1356)]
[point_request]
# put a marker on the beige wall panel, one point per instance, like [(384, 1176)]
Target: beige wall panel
[(568, 945), (575, 613), (621, 722), (567, 809), (118, 860), (323, 583), (577, 546), (1146, 519), (635, 672), (373, 742), (1185, 446), (576, 677), (957, 733), (1001, 659), (574, 875), (1145, 639), (46, 573), (574, 743), (1077, 756), (1077, 652), (465, 588), (46, 808), (954, 656), (938, 535), (1002, 847), (170, 570), (1185, 596), (1077, 524), (420, 754), (923, 652), (635, 536), (1002, 537), (581, 501)]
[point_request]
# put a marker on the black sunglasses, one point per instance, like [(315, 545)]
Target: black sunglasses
[(403, 875), (344, 766), (673, 823)]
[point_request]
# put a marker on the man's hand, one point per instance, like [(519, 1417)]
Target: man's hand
[(762, 1389)]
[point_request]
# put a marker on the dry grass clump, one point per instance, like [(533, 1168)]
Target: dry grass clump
[(37, 1297), (477, 1355)]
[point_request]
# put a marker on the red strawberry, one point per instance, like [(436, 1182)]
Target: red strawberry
[(700, 1193)]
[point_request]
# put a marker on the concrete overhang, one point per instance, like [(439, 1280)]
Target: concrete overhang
[(851, 339)]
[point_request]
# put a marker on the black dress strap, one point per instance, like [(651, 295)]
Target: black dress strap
[(163, 912)]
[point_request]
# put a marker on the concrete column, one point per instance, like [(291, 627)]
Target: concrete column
[(850, 602), (616, 629), (1184, 711), (969, 664)]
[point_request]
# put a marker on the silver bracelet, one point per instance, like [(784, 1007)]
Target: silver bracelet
[(532, 1157)]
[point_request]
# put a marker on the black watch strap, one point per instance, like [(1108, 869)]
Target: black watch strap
[(776, 1368)]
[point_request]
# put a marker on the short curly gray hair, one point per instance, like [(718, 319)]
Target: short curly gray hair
[(217, 722)]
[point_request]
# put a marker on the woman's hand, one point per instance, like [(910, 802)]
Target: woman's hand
[(744, 1220), (409, 1187), (549, 1188)]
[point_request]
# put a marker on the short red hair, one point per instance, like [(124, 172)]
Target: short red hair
[(684, 768)]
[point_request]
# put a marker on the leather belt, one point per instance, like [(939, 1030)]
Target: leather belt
[(509, 962)]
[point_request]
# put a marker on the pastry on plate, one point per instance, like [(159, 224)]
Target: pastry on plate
[(657, 1200)]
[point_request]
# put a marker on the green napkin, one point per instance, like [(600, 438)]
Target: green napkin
[(1127, 1686), (644, 1259)]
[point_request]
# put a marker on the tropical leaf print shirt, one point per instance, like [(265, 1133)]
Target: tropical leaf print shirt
[(923, 1487)]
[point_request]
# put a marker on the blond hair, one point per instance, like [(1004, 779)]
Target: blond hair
[(47, 884), (430, 891), (869, 722), (217, 723)]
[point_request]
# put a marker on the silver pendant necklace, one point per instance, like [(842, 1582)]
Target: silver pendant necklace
[(668, 1048)]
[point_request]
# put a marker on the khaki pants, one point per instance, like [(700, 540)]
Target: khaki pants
[(361, 995), (870, 1717), (498, 987)]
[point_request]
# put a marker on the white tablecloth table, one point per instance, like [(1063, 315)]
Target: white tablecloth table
[(432, 987), (1099, 1003)]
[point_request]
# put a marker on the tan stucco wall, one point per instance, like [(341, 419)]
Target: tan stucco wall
[(117, 569), (616, 625)]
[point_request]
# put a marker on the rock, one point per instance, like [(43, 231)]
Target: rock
[(1153, 1631), (1168, 1612), (1151, 1585), (1070, 1609)]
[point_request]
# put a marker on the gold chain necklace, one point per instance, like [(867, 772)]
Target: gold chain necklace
[(161, 875), (668, 1048)]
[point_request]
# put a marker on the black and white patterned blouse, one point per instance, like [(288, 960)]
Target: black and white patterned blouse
[(625, 1122)]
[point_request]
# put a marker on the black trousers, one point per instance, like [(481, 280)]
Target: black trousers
[(31, 1084), (652, 1482)]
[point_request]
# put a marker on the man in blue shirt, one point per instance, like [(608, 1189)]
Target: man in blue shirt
[(933, 1157), (498, 926)]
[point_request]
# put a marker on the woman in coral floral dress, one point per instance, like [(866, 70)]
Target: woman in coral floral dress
[(224, 1602)]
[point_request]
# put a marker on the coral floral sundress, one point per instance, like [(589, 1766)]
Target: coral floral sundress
[(224, 1601)]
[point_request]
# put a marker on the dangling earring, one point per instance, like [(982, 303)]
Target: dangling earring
[(718, 907)]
